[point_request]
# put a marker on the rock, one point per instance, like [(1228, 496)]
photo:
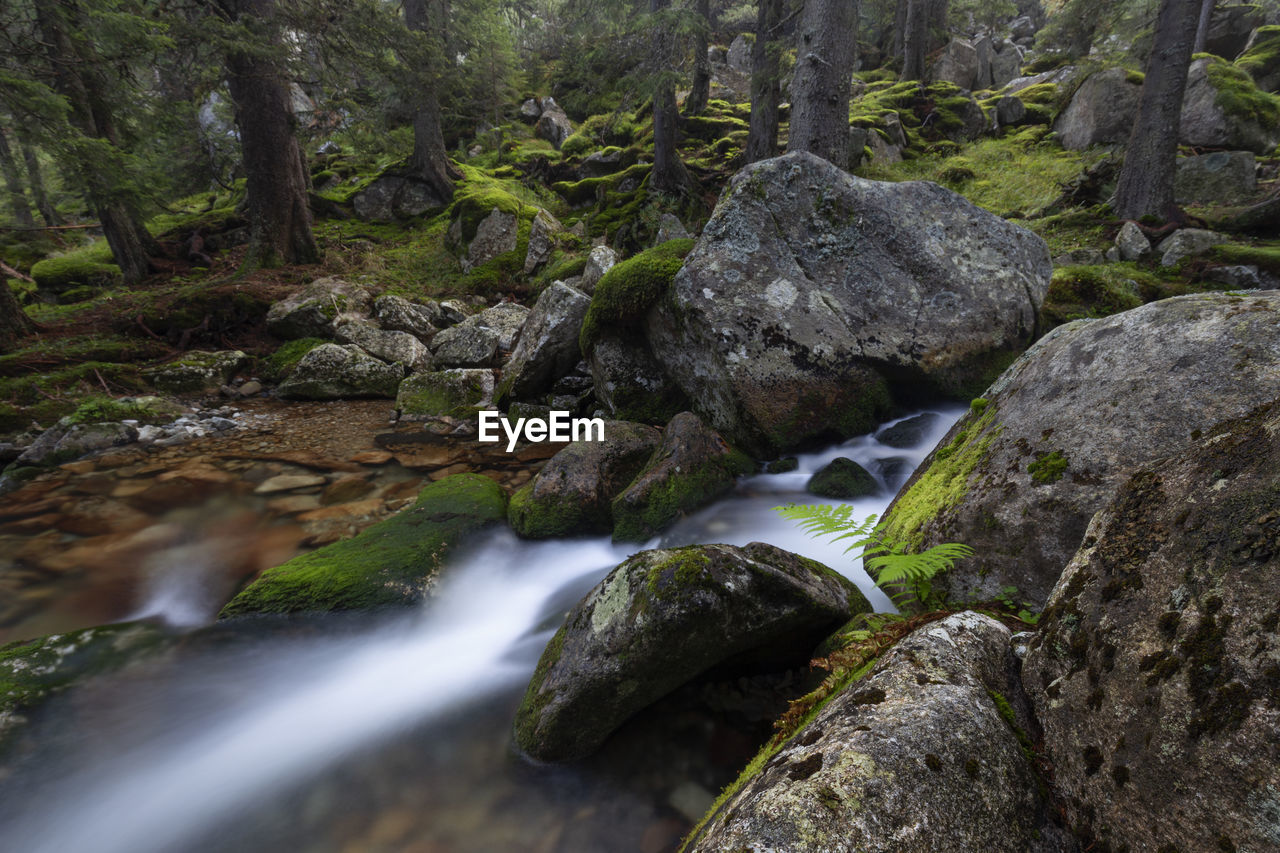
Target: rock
[(477, 340), (597, 164), (1022, 27), (1019, 478), (1259, 58), (808, 281), (600, 260), (1154, 672), (894, 131), (399, 347), (670, 228), (495, 235), (454, 311), (909, 432), (530, 110), (1237, 277), (541, 240), (1206, 124), (842, 478), (392, 197), (66, 441), (1006, 65), (250, 388), (903, 760), (445, 393), (393, 562), (1223, 177), (957, 64), (1010, 111), (692, 467), (397, 314), (1132, 243), (739, 56), (629, 381), (505, 319), (1230, 29), (196, 371), (973, 121), (1186, 243), (664, 617), (289, 483), (1079, 258), (553, 125), (986, 51), (573, 492), (548, 347), (1100, 112), (312, 312), (333, 372), (1056, 76), (883, 152)]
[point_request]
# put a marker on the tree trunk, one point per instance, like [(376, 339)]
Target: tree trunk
[(668, 174), (13, 183), (700, 91), (1145, 187), (1202, 28), (14, 322), (820, 89), (275, 172), (430, 159), (915, 39), (762, 137), (36, 181)]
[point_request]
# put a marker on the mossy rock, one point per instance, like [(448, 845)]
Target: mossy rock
[(458, 393), (628, 289), (395, 562), (67, 272), (842, 478), (147, 410), (196, 371), (1262, 60), (281, 363)]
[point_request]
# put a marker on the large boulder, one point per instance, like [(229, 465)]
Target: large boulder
[(420, 319), (401, 347), (738, 57), (393, 197), (1187, 243), (927, 753), (496, 235), (692, 467), (333, 372), (664, 617), (196, 371), (1006, 65), (313, 311), (479, 339), (1020, 475), (960, 63), (548, 343), (1230, 28), (445, 393), (394, 562), (542, 235), (573, 491), (1156, 671), (1101, 111), (553, 123), (1223, 109), (629, 382), (809, 286)]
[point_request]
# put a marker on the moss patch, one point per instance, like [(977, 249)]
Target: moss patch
[(1239, 97), (628, 289), (281, 363), (1048, 467)]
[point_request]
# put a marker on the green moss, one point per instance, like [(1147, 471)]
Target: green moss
[(437, 393), (150, 410), (678, 572), (1048, 467), (1265, 257), (69, 271), (712, 127), (281, 363), (535, 700), (589, 190), (630, 287), (393, 562), (600, 131), (1264, 56), (681, 491), (978, 405), (552, 516), (1239, 97), (1100, 291)]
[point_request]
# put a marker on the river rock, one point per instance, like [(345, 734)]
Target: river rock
[(334, 372), (393, 562), (842, 478), (807, 282), (1155, 671), (664, 617), (573, 492), (630, 383), (445, 393), (496, 235), (1019, 476), (196, 371), (420, 319), (541, 240), (692, 467), (1186, 243), (907, 433), (548, 343), (400, 347), (1100, 112), (1222, 176), (1132, 243), (392, 197), (66, 441), (312, 312), (924, 754), (1206, 124)]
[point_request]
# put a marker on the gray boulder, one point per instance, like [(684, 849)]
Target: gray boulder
[(1019, 477), (420, 319), (597, 164), (530, 110), (196, 371), (1132, 243), (1223, 176), (478, 340), (496, 235), (1235, 276), (959, 63), (399, 347), (1101, 111), (1056, 76), (927, 753), (1259, 58), (445, 393), (1155, 672), (842, 478), (313, 311), (334, 372), (670, 228), (1186, 243), (553, 124), (808, 281), (1230, 29), (1006, 65), (1010, 111), (630, 383), (548, 345), (392, 197), (541, 240), (739, 56), (1206, 124), (600, 260), (65, 441), (664, 617)]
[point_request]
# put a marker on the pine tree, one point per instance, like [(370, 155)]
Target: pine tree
[(762, 133), (820, 89), (430, 160)]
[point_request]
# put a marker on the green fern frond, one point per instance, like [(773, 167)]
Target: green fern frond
[(834, 520)]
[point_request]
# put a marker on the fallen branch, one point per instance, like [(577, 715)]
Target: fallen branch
[(50, 227), (12, 273)]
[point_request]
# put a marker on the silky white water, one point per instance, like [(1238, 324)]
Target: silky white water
[(285, 712)]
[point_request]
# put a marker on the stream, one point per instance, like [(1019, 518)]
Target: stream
[(391, 732)]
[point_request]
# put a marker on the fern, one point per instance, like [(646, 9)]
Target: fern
[(900, 573)]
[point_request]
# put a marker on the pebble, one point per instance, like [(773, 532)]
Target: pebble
[(289, 483)]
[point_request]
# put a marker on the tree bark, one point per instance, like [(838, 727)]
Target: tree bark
[(430, 159), (35, 180), (1145, 186), (1202, 28), (14, 322), (915, 39), (820, 89), (13, 183), (668, 174), (762, 135), (700, 89), (275, 172)]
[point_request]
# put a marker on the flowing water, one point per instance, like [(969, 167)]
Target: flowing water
[(342, 734)]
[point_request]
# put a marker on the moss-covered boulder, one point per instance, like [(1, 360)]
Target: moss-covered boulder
[(929, 752), (333, 372), (420, 319), (629, 382), (842, 478), (1156, 670), (445, 393), (1019, 476), (662, 618), (1261, 58), (60, 274), (1223, 108), (393, 562), (692, 467), (574, 491), (313, 311), (1101, 111), (196, 371)]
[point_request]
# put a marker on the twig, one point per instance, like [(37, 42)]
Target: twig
[(101, 381), (50, 227), (12, 273)]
